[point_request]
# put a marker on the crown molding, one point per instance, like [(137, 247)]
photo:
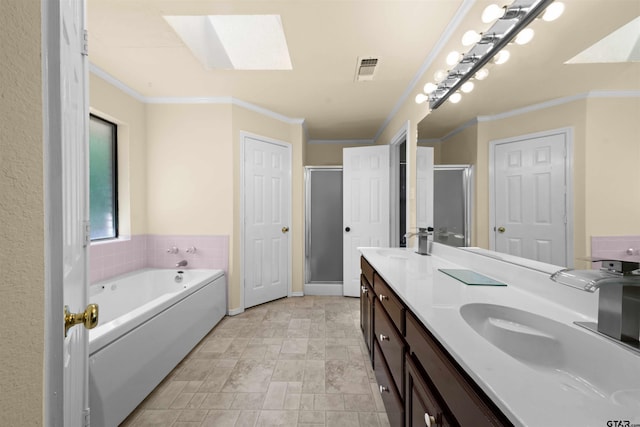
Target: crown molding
[(342, 141), (596, 94), (222, 100), (453, 25)]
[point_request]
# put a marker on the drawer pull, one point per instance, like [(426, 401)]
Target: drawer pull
[(383, 297), (384, 337), (364, 290), (429, 419), (383, 389)]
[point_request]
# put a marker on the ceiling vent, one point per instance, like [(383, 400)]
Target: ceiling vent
[(365, 69)]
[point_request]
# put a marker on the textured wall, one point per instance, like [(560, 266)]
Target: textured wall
[(21, 215)]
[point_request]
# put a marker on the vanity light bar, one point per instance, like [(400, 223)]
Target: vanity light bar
[(524, 17)]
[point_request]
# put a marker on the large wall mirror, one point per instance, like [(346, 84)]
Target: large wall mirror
[(584, 102)]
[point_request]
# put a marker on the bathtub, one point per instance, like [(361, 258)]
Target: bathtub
[(148, 322)]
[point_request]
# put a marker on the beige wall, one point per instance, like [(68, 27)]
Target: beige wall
[(326, 154), (606, 178), (129, 114), (22, 215)]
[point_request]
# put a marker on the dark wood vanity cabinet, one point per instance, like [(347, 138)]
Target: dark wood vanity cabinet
[(416, 375)]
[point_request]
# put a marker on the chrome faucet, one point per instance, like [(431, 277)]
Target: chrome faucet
[(182, 263), (423, 239), (618, 301)]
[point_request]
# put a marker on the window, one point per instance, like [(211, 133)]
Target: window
[(103, 179)]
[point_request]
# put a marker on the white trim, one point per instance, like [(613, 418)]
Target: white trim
[(236, 311), (324, 289), (297, 294), (223, 100), (53, 262), (568, 138), (453, 25), (342, 141), (243, 136), (402, 135), (598, 94)]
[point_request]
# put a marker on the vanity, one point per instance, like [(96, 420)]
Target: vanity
[(446, 353)]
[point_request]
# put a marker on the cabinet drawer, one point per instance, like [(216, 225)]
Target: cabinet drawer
[(390, 396), (392, 305), (420, 401), (366, 312), (462, 399), (391, 344), (367, 270)]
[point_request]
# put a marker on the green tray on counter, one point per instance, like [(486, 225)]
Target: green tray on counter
[(469, 277)]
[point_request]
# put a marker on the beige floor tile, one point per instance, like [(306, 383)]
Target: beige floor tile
[(311, 417), (346, 376), (157, 418), (289, 370), (368, 419), (217, 401), (328, 402), (359, 402), (221, 418), (342, 419), (165, 395), (278, 418), (275, 396), (295, 345), (248, 401), (193, 415), (250, 376), (247, 419)]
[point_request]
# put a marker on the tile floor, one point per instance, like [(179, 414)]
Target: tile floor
[(291, 362)]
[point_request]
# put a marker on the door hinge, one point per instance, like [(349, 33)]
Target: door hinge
[(85, 43), (86, 415), (86, 231)]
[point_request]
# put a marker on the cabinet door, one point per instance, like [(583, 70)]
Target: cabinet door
[(388, 391), (421, 406)]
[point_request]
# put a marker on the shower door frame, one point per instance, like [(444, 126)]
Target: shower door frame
[(325, 287)]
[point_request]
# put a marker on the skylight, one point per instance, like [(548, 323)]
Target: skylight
[(623, 45), (234, 42)]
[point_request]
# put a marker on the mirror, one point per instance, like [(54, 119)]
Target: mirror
[(596, 104)]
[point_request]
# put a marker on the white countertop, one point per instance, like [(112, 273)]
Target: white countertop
[(529, 394)]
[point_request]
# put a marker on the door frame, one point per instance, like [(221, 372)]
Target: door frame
[(402, 135), (567, 132), (243, 137), (53, 237)]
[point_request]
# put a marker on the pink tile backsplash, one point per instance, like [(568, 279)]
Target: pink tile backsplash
[(112, 258), (624, 248)]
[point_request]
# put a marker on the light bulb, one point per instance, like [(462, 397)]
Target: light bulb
[(421, 98), (453, 58), (429, 87), (491, 13), (553, 11), (467, 87), (439, 76), (470, 37), (524, 36), (455, 98), (481, 74), (501, 57)]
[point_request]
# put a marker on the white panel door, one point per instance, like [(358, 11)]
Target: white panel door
[(424, 187), (75, 209), (267, 210), (530, 198), (366, 206)]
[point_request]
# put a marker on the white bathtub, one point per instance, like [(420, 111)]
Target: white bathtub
[(148, 323)]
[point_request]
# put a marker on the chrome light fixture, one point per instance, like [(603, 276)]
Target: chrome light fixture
[(509, 24)]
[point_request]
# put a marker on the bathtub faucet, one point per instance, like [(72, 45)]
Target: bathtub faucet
[(182, 263)]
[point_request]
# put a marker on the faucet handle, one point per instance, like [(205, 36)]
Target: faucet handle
[(173, 250), (191, 250), (618, 266)]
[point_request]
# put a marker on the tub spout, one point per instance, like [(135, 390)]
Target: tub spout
[(182, 263)]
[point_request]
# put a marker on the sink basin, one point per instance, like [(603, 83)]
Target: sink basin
[(392, 253), (577, 360)]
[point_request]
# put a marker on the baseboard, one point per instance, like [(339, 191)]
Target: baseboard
[(235, 311), (297, 294), (329, 289)]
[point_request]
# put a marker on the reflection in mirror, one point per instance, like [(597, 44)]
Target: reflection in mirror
[(540, 91), (452, 204)]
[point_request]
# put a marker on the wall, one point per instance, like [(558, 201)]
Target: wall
[(252, 122), (327, 153), (22, 215)]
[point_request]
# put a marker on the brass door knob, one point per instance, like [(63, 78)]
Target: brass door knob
[(285, 230), (89, 318), (501, 229)]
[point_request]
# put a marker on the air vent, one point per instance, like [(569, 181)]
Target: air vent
[(365, 69)]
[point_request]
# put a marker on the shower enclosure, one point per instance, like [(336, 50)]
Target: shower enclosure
[(452, 194), (323, 230)]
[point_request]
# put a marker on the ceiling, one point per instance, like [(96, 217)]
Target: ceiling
[(130, 41)]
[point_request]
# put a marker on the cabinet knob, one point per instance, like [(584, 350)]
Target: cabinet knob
[(429, 420), (383, 389), (364, 289), (384, 337), (383, 297)]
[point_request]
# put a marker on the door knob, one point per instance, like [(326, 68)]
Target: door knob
[(501, 229), (89, 318), (347, 229), (285, 230)]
